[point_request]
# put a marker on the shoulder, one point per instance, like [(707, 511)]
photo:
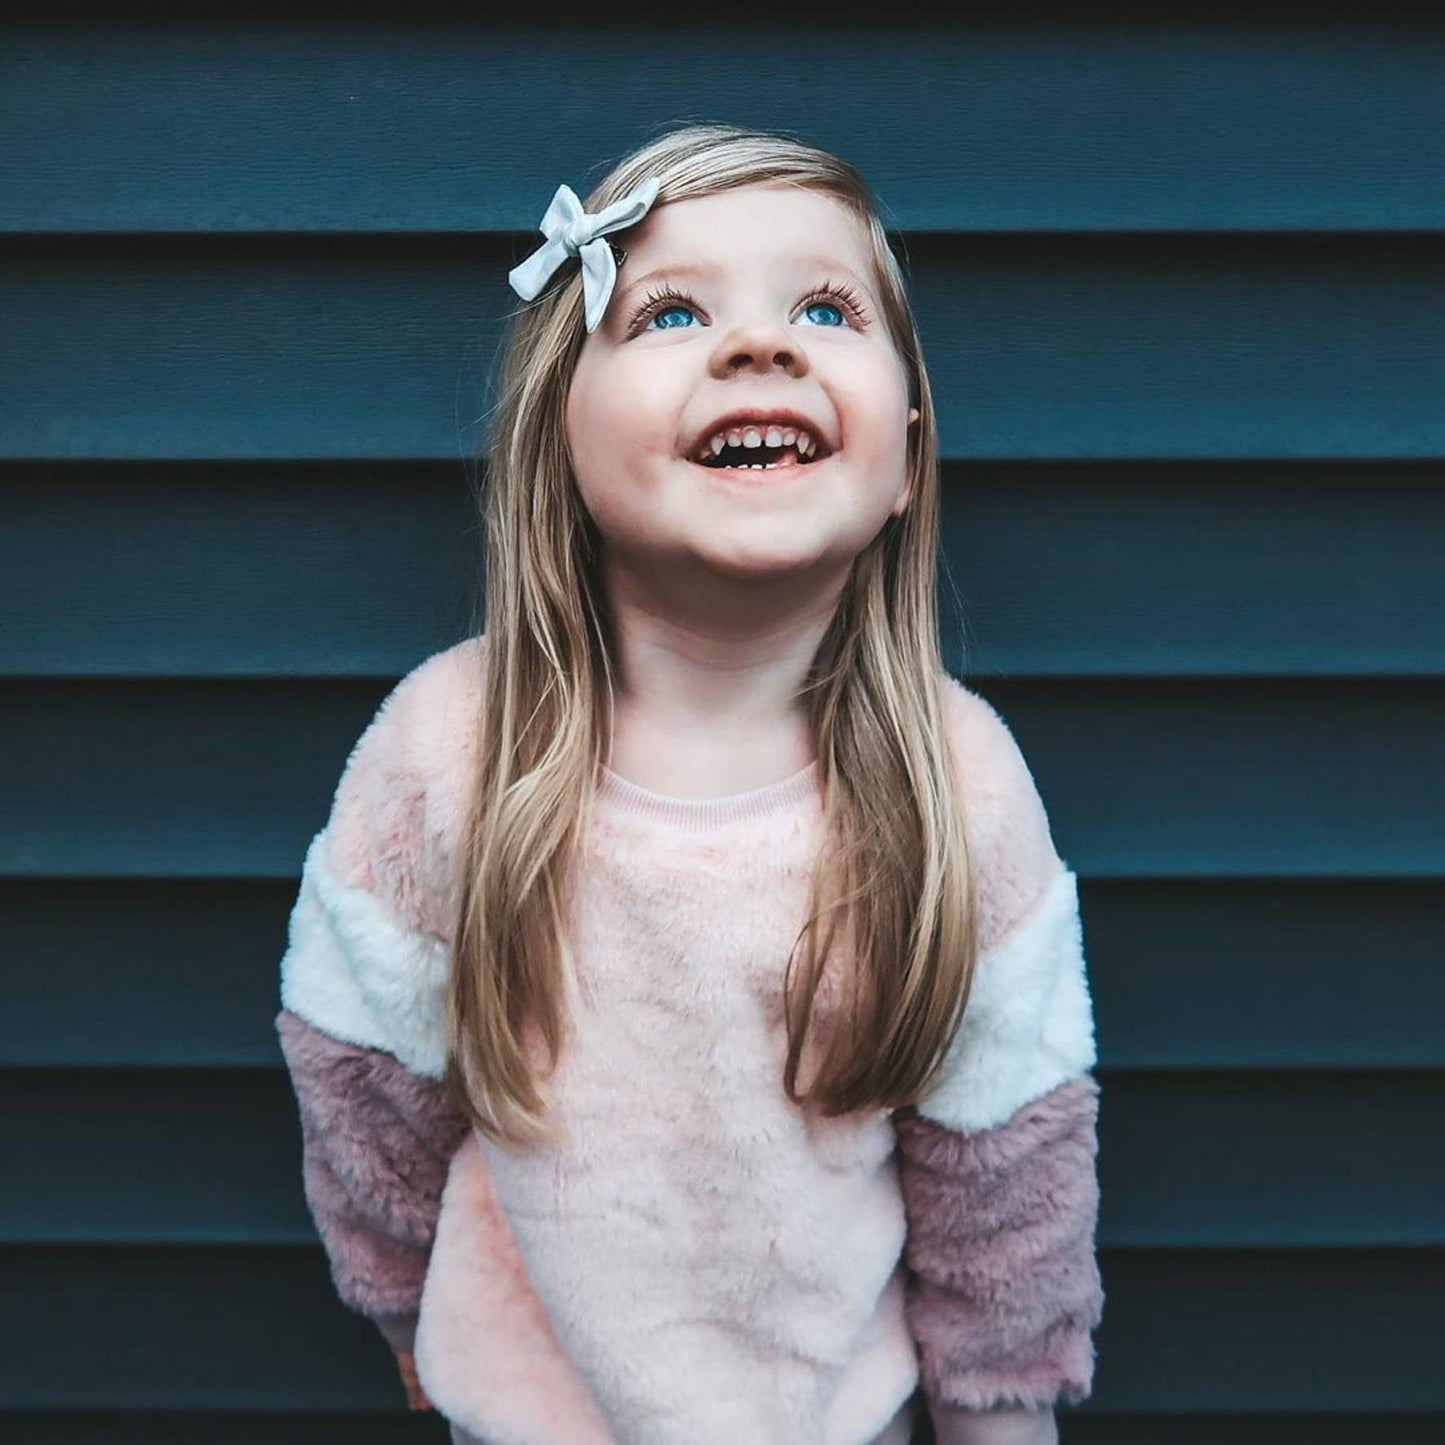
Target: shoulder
[(369, 937), (1014, 856), (425, 725), (399, 805), (1028, 1024)]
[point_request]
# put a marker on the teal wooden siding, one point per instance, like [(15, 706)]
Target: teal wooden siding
[(1182, 287)]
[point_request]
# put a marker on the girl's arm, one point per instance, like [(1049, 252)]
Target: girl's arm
[(1005, 1287), (377, 1141), (362, 992), (997, 1161)]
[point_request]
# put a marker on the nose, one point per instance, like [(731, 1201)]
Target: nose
[(758, 345)]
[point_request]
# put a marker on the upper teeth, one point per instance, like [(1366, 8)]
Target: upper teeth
[(754, 436)]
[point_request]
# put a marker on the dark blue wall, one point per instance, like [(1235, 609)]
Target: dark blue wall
[(1182, 286)]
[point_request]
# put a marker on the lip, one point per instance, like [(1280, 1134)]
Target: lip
[(763, 417)]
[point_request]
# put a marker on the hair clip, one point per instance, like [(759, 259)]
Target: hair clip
[(571, 231)]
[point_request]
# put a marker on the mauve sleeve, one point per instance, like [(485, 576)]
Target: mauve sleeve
[(1005, 1286), (377, 1141), (997, 1162), (360, 1029)]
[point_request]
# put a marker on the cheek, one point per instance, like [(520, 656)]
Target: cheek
[(602, 439), (885, 431), (879, 403), (588, 422), (596, 446), (615, 422)]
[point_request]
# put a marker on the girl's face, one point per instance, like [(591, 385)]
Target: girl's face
[(721, 315)]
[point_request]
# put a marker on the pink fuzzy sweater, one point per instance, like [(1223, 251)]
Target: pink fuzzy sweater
[(698, 1260)]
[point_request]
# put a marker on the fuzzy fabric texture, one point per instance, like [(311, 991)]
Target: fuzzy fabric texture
[(369, 938), (377, 1143), (1008, 830), (1029, 1023), (717, 1264), (486, 1352), (1005, 1285), (695, 1258), (355, 965), (401, 802)]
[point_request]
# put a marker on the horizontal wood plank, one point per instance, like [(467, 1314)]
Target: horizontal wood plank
[(1186, 1160), (1155, 778), (1082, 1426), (1184, 974), (1055, 570), (189, 1427), (1096, 121), (1039, 348), (261, 1329), (1096, 1427)]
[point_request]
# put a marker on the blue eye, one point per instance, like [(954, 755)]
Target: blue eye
[(669, 302), (828, 306), (667, 311)]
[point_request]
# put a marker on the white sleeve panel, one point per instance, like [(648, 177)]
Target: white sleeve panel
[(354, 970), (1029, 1023)]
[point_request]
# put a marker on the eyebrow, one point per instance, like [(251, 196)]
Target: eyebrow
[(708, 268)]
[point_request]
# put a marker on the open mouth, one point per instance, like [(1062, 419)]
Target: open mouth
[(758, 459)]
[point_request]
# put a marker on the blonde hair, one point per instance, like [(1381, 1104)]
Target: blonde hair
[(894, 849)]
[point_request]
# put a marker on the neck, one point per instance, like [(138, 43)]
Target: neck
[(714, 692)]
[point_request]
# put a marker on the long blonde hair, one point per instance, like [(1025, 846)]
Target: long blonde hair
[(894, 858)]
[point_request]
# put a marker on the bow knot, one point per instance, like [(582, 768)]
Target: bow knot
[(576, 234), (571, 231)]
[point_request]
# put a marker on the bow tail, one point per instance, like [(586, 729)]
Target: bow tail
[(530, 276), (599, 271)]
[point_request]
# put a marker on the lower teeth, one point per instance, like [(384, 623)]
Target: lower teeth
[(789, 460)]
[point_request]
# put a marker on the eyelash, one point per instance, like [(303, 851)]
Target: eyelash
[(838, 291)]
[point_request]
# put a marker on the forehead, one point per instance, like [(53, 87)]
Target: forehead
[(744, 228)]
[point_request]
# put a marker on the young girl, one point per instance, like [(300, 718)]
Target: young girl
[(684, 999)]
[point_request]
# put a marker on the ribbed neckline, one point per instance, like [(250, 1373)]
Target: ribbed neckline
[(699, 813)]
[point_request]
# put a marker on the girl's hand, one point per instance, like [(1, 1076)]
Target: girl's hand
[(416, 1397), (400, 1333), (1017, 1426)]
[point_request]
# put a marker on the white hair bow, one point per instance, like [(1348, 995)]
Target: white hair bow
[(571, 231)]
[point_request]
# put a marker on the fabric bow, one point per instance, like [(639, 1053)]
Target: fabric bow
[(571, 231)]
